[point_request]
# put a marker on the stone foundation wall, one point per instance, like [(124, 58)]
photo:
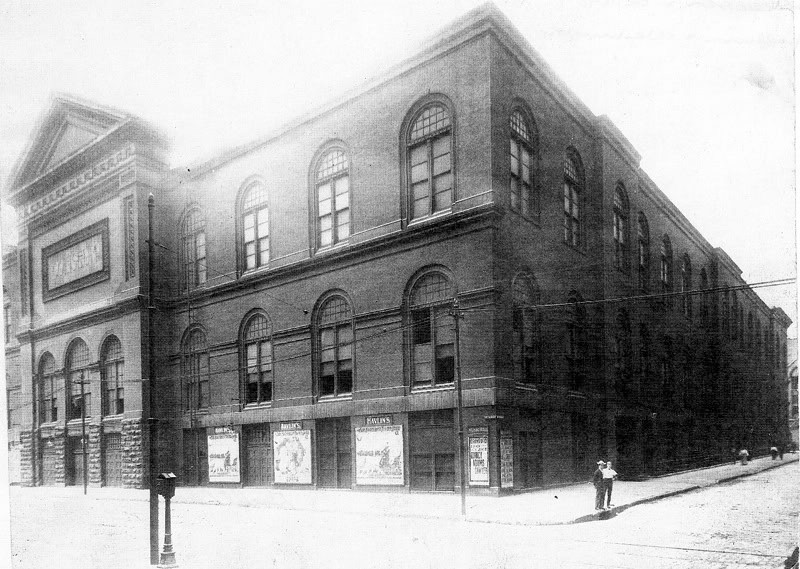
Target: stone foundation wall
[(27, 473), (95, 459), (134, 468), (57, 445)]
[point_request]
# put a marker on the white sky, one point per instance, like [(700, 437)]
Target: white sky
[(703, 89)]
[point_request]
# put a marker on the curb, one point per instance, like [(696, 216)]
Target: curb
[(604, 515)]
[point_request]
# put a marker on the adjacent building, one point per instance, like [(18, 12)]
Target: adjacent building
[(319, 292)]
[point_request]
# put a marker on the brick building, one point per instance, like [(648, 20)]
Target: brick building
[(305, 285)]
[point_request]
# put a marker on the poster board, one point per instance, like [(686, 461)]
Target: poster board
[(379, 455), (223, 456), (478, 460), (292, 456), (506, 461)]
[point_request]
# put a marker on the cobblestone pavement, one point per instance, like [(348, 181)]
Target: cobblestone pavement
[(751, 522)]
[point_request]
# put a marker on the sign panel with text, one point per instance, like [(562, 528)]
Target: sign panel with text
[(379, 455), (292, 456)]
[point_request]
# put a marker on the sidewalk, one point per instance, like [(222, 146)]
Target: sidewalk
[(552, 506)]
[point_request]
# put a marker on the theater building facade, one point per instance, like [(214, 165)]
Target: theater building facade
[(319, 292)]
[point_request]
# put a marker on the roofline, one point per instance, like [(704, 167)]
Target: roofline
[(478, 21)]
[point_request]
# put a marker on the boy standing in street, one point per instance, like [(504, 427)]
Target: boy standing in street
[(599, 490), (609, 474)]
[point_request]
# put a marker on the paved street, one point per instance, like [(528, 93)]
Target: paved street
[(749, 522)]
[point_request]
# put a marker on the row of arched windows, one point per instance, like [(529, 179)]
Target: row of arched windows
[(429, 173), (69, 390)]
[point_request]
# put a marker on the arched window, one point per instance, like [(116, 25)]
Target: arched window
[(335, 345), (255, 227), (750, 331), (332, 182), (734, 315), (704, 296), (432, 339), (686, 286), (112, 368), (195, 370), (430, 164), (643, 237), (524, 197), (193, 235), (573, 195), (48, 389), (621, 228), (622, 352), (256, 355), (666, 269), (576, 341), (525, 355), (76, 367)]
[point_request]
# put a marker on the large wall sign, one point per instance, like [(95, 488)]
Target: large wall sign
[(379, 455), (223, 456), (78, 261), (292, 456), (479, 460)]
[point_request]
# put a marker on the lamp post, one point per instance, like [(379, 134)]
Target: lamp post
[(83, 432), (167, 480), (455, 312), (151, 370)]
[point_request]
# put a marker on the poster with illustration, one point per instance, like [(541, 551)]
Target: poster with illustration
[(506, 462), (292, 456), (223, 456), (379, 455), (479, 460)]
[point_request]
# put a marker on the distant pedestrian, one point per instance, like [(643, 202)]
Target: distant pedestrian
[(599, 490), (743, 456), (773, 451), (780, 450), (609, 474)]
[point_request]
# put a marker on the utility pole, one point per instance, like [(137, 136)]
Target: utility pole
[(456, 313), (151, 372), (83, 432)]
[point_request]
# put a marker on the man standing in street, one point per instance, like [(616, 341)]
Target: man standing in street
[(609, 474), (599, 490)]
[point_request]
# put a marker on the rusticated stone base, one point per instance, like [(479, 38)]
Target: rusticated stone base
[(54, 454), (95, 458), (27, 473), (134, 467)]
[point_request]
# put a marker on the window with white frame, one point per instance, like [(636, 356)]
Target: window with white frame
[(332, 179), (195, 371), (257, 355), (524, 197), (255, 227), (77, 371), (621, 228), (573, 190), (112, 368), (432, 336), (335, 341), (430, 161), (47, 384), (195, 270)]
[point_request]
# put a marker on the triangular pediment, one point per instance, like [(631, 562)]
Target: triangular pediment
[(68, 127)]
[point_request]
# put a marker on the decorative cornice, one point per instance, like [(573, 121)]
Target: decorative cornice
[(114, 163)]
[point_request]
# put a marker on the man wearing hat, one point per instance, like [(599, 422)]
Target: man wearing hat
[(597, 480)]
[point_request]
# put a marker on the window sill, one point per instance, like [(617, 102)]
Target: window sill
[(333, 398), (261, 405), (332, 248), (202, 411), (430, 218), (255, 271), (428, 388), (112, 418)]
